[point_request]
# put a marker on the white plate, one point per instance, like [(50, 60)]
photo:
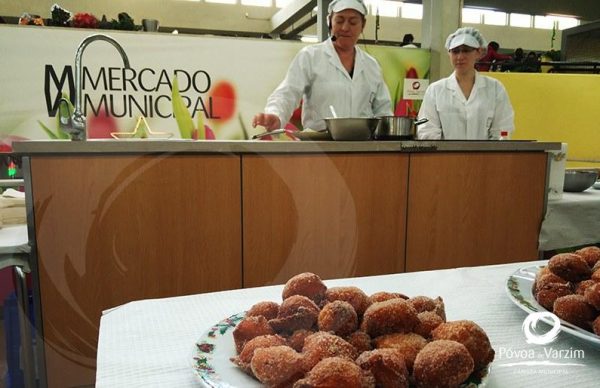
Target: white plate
[(519, 287), (212, 352)]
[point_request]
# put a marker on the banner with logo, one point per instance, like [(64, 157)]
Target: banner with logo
[(223, 81)]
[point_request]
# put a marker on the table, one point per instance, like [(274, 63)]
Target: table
[(571, 221), (150, 342), (14, 252)]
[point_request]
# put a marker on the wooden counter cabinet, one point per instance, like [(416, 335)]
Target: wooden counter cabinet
[(113, 229), (338, 215)]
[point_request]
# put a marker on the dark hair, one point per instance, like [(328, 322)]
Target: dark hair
[(408, 38), (494, 45)]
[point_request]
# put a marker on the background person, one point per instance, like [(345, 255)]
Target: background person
[(335, 72), (466, 105), (488, 61), (408, 41)]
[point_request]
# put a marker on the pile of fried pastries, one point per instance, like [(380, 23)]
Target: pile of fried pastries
[(569, 286), (341, 337)]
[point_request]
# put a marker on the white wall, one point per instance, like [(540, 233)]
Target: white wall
[(192, 14)]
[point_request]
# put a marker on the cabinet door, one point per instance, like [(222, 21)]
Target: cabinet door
[(467, 209), (112, 229), (338, 215)]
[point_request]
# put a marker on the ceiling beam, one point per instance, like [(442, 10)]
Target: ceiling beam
[(290, 14)]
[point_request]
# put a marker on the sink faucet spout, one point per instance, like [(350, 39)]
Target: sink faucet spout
[(78, 122)]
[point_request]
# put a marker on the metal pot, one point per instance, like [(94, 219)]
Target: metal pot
[(398, 128), (579, 180), (357, 129)]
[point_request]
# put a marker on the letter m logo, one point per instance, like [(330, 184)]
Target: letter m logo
[(50, 77)]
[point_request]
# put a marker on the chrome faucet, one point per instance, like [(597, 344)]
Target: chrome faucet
[(77, 128)]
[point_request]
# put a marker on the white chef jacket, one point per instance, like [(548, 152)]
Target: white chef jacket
[(317, 76), (451, 116)]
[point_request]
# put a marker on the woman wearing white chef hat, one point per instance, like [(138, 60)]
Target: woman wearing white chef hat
[(334, 73), (466, 105)]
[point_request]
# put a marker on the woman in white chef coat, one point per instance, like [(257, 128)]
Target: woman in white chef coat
[(466, 105), (335, 72)]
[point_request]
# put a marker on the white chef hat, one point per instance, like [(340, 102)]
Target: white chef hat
[(340, 5), (467, 36)]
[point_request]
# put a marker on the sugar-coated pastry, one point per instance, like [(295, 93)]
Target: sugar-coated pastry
[(296, 339), (569, 266), (249, 328), (428, 320), (590, 254), (582, 286), (407, 344), (334, 372), (360, 340), (382, 296), (547, 278), (277, 366), (262, 341), (387, 366), (295, 313), (390, 316), (268, 310), (442, 364), (307, 284), (353, 295), (321, 345), (469, 334), (575, 309), (338, 317), (596, 325), (592, 295), (547, 294)]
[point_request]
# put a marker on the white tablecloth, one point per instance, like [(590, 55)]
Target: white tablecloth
[(149, 343), (13, 239), (571, 221)]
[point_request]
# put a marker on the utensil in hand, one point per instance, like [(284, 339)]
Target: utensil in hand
[(333, 114)]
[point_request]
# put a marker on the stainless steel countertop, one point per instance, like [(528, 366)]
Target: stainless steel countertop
[(144, 146)]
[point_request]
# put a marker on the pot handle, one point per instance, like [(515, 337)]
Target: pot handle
[(422, 121)]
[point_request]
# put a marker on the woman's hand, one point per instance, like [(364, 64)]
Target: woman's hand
[(267, 120)]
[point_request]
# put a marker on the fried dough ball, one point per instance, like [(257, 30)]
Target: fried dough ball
[(321, 345), (574, 309), (268, 310), (334, 372), (428, 320), (550, 292), (295, 313), (387, 366), (569, 266), (353, 295), (408, 345), (382, 296), (338, 317), (307, 284), (469, 334), (592, 295), (249, 328), (390, 316), (262, 341), (360, 340), (596, 275), (596, 325), (596, 266), (422, 303), (277, 366), (296, 340), (542, 280), (590, 254), (583, 285), (441, 364)]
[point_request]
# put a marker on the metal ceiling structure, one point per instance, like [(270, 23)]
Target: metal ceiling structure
[(298, 10)]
